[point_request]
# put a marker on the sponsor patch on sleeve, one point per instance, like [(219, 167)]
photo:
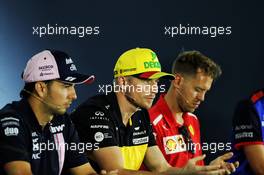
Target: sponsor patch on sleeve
[(10, 126), (11, 131), (9, 121)]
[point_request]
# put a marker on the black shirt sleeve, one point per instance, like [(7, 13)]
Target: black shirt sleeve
[(75, 155), (13, 139), (94, 127), (246, 125)]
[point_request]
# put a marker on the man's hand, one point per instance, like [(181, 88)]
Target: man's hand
[(192, 169), (221, 161)]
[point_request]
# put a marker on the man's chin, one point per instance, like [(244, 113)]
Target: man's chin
[(189, 110), (61, 112), (147, 106)]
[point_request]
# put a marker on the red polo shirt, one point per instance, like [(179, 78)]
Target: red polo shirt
[(170, 141)]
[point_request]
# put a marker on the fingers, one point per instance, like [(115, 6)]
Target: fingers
[(113, 172), (236, 164), (219, 167), (103, 172), (215, 172), (227, 171), (226, 156), (198, 158), (209, 168), (231, 167)]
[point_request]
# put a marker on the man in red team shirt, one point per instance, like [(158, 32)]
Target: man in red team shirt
[(176, 129)]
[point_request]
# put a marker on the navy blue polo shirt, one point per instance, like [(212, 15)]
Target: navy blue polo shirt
[(248, 129), (48, 150)]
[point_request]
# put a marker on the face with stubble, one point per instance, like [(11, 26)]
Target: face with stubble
[(192, 90)]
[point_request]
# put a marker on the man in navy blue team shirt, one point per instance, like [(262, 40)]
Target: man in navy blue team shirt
[(248, 134), (36, 135)]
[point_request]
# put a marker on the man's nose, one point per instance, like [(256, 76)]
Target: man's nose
[(73, 94)]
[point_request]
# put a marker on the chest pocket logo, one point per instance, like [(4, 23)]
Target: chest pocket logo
[(174, 144)]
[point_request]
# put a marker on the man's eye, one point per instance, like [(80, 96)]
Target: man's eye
[(152, 81), (198, 90), (67, 85)]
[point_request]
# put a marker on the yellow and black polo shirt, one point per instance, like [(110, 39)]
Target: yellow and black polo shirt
[(99, 122)]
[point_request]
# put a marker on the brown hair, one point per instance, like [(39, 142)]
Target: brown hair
[(188, 62)]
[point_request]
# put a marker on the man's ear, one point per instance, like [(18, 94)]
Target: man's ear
[(121, 81), (41, 89), (177, 81)]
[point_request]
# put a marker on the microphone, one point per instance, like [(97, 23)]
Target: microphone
[(43, 101), (131, 100), (184, 98)]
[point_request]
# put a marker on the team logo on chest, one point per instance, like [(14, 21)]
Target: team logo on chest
[(56, 129), (174, 144)]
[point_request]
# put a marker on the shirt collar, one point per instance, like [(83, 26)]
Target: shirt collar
[(164, 109), (24, 109)]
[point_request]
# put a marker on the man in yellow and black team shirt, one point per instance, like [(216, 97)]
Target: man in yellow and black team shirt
[(119, 122)]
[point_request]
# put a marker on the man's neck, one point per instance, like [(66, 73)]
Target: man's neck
[(41, 112), (173, 106), (126, 108)]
